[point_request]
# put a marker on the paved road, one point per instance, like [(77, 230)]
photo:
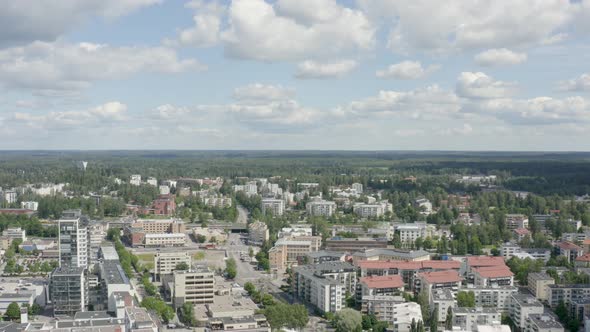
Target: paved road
[(242, 215)]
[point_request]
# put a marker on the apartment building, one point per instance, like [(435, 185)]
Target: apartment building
[(514, 221), (257, 233), (468, 319), (392, 285), (166, 262), (152, 181), (324, 285), (73, 239), (391, 309), (191, 286), (538, 285), (381, 254), (424, 205), (338, 243), (568, 293), (372, 210), (546, 322), (288, 251), (493, 276), (10, 196), (135, 179), (276, 207), (441, 300), (521, 233), (68, 290), (431, 281), (30, 205), (406, 269), (358, 187), (320, 208), (521, 307), (569, 250), (498, 297), (408, 233)]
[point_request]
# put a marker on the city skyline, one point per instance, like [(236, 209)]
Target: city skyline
[(295, 75)]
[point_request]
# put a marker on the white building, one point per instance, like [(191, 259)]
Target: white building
[(73, 239), (424, 205), (521, 307), (546, 322), (152, 181), (165, 240), (372, 210), (275, 206), (10, 196), (320, 208), (408, 233), (164, 189), (15, 233), (498, 297), (441, 300), (135, 179), (30, 205), (358, 187), (166, 262), (467, 319)]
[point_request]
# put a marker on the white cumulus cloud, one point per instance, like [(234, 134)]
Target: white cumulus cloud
[(499, 57), (311, 69), (406, 70), (580, 83), (480, 85)]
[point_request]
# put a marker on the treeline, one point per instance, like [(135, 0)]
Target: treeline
[(31, 225)]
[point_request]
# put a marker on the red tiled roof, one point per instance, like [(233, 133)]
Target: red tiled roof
[(405, 265), (567, 245), (438, 277), (391, 281), (479, 261), (522, 231), (583, 258), (494, 271), (586, 242)]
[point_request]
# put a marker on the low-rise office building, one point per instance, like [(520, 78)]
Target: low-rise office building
[(191, 286), (338, 243), (166, 262), (15, 234), (165, 240), (391, 255)]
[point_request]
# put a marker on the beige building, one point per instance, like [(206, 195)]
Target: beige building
[(155, 226), (539, 284), (289, 251), (166, 262), (275, 206), (258, 233), (165, 240), (192, 286)]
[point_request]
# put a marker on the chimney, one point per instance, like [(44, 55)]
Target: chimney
[(24, 315)]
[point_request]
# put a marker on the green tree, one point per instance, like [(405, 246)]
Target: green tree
[(466, 299), (231, 268), (182, 266), (12, 312), (187, 314), (449, 319), (348, 320)]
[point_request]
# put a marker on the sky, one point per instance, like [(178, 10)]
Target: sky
[(295, 74)]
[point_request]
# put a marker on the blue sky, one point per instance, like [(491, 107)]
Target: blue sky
[(295, 74)]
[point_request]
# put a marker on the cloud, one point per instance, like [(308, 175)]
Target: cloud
[(261, 92), (466, 129), (406, 70), (461, 25), (296, 33), (208, 19), (580, 83), (480, 85), (318, 70), (25, 21), (106, 113), (539, 110), (428, 103), (63, 66), (170, 112), (499, 57)]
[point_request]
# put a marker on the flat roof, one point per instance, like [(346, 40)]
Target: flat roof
[(546, 321), (113, 273)]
